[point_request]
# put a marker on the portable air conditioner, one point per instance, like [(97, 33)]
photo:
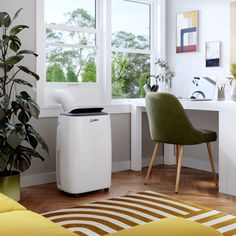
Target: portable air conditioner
[(83, 151)]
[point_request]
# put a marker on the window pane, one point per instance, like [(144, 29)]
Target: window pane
[(73, 12), (70, 37), (130, 24), (71, 64), (129, 72)]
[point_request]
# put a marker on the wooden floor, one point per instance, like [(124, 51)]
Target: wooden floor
[(195, 186)]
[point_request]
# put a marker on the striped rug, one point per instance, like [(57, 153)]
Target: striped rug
[(109, 216)]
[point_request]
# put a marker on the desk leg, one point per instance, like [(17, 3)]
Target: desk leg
[(227, 150), (136, 138)]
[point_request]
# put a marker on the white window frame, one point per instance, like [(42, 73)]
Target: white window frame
[(64, 45), (104, 54), (140, 51), (43, 85)]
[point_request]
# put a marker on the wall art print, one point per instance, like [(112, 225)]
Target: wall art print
[(213, 54), (187, 32)]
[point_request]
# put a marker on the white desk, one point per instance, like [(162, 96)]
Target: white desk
[(226, 136)]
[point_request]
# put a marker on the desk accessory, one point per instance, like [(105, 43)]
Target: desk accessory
[(221, 93)]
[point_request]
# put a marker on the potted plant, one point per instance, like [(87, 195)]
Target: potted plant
[(166, 75), (18, 139), (232, 80)]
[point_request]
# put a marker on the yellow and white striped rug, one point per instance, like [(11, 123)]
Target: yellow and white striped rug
[(108, 216)]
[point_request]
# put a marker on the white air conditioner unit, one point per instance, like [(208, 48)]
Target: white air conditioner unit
[(83, 151)]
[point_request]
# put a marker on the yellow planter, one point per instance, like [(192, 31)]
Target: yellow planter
[(10, 185)]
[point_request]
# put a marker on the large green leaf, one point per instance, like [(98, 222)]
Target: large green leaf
[(17, 29), (28, 71), (2, 113), (15, 106), (22, 162), (23, 82), (24, 117), (29, 152), (1, 19), (14, 140), (28, 104), (34, 109), (15, 43), (3, 160), (22, 104), (32, 131), (33, 141), (20, 130), (25, 95), (14, 60), (27, 52), (16, 14), (5, 19)]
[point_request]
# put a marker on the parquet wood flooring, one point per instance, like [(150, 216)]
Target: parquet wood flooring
[(195, 186)]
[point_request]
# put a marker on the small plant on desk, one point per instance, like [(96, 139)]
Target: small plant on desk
[(232, 80), (166, 75), (233, 73)]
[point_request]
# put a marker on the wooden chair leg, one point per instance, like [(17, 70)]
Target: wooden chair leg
[(151, 162), (177, 154), (180, 157), (211, 157)]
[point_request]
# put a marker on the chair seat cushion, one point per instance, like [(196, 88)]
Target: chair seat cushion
[(27, 223), (208, 135), (169, 227), (7, 204)]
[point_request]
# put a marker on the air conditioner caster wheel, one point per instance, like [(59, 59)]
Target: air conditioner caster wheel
[(106, 190)]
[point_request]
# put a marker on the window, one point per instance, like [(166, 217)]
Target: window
[(97, 49), (131, 47), (71, 46)]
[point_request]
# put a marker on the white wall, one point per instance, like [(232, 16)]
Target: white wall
[(214, 25)]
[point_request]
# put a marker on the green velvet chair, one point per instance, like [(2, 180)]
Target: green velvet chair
[(168, 123)]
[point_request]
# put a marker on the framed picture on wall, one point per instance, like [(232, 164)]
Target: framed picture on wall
[(213, 53), (187, 32)]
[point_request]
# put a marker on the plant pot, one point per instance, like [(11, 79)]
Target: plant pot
[(10, 185), (233, 92)]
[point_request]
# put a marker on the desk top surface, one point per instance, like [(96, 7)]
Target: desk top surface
[(213, 105)]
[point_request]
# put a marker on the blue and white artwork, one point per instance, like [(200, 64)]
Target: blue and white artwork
[(213, 54), (187, 28)]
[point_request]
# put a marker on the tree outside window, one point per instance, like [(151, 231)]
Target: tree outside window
[(71, 51)]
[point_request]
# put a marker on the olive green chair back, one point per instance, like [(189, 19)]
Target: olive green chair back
[(168, 121)]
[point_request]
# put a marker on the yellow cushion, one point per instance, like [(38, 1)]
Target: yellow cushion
[(169, 227), (27, 223), (7, 204)]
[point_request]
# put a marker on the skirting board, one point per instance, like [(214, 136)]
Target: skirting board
[(44, 178), (195, 163), (125, 165), (50, 177), (199, 164)]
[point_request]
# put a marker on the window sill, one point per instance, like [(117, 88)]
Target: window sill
[(121, 106)]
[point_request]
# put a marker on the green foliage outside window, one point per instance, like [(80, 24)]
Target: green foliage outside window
[(55, 73), (89, 72), (78, 64), (70, 75)]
